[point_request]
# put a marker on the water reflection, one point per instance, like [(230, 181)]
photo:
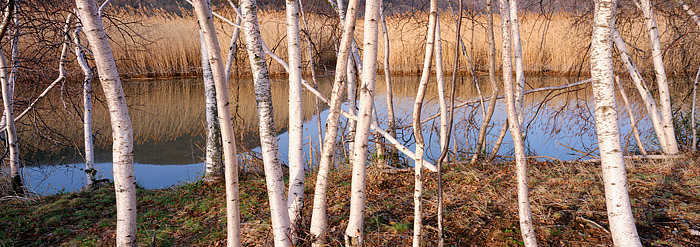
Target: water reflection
[(168, 120)]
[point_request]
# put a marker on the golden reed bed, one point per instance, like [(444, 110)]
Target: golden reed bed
[(168, 44)]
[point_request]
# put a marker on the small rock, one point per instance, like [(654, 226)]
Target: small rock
[(694, 232)]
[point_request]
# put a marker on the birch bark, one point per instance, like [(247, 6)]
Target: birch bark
[(622, 228), (295, 197), (268, 135), (206, 23), (633, 123), (525, 214), (319, 215), (17, 184), (643, 90), (440, 86), (90, 171), (213, 163), (661, 80), (353, 233), (481, 141), (417, 129), (387, 78), (122, 132), (518, 61)]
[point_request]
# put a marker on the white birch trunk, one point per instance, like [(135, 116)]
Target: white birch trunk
[(295, 197), (643, 90), (268, 134), (233, 47), (17, 184), (524, 212), (633, 122), (122, 132), (319, 217), (517, 61), (417, 129), (440, 87), (313, 77), (387, 78), (233, 225), (499, 141), (353, 233), (214, 167), (481, 140), (87, 107), (661, 80), (351, 105), (622, 228), (692, 114)]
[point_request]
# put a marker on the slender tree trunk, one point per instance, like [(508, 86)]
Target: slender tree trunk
[(295, 197), (517, 61), (206, 22), (233, 47), (661, 80), (313, 77), (87, 107), (214, 167), (351, 105), (319, 216), (622, 226), (387, 79), (353, 233), (17, 184), (690, 12), (440, 86), (268, 135), (417, 129), (692, 115), (633, 122), (481, 141), (525, 214), (643, 90), (499, 141), (122, 133)]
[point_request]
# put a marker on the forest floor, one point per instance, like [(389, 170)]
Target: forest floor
[(567, 199)]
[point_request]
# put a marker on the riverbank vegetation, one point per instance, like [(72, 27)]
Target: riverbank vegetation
[(162, 44), (567, 200), (369, 190)]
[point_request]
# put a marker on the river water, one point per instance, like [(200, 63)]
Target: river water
[(168, 119)]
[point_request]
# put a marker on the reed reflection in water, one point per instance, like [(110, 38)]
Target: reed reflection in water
[(168, 119)]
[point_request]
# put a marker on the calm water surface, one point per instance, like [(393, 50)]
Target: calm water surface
[(168, 119)]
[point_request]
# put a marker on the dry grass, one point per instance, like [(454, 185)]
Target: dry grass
[(568, 209), (168, 44)]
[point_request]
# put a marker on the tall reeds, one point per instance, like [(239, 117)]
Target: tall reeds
[(160, 43)]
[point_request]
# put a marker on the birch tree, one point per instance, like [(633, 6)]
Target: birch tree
[(643, 90), (17, 184), (622, 228), (525, 214), (518, 61), (206, 24), (353, 233), (295, 197), (417, 129), (481, 140), (122, 132), (213, 163), (268, 136), (660, 72), (387, 78), (319, 215), (90, 171)]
